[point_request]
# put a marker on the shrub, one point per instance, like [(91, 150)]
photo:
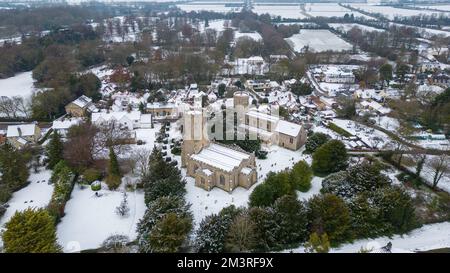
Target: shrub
[(63, 180), (339, 130), (113, 181), (90, 175), (96, 186)]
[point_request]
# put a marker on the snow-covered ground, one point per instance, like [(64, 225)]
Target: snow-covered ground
[(435, 7), (330, 10), (203, 6), (388, 123), (284, 11), (347, 27), (391, 12), (89, 219), (252, 35), (37, 194), (373, 138), (428, 237), (318, 40), (19, 85)]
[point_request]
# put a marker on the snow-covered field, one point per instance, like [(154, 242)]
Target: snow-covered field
[(428, 237), (392, 12), (19, 85), (435, 7), (37, 194), (318, 40), (347, 27), (290, 11), (330, 10), (193, 6), (252, 35), (284, 11), (427, 32), (89, 219)]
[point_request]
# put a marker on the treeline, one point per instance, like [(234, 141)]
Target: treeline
[(34, 49), (384, 43), (33, 20)]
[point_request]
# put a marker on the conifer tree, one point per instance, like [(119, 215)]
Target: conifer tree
[(30, 231), (54, 150)]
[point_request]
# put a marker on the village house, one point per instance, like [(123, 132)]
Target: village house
[(161, 110), (62, 125), (81, 107), (258, 85), (22, 135), (129, 120)]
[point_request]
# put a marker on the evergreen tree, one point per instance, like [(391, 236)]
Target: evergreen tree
[(211, 234), (113, 163), (13, 169), (315, 141), (397, 208), (275, 186), (30, 231), (329, 214), (317, 243), (156, 210), (360, 178), (300, 176), (114, 177), (162, 179), (241, 235), (266, 227), (169, 233), (330, 157), (123, 209), (291, 217), (55, 150)]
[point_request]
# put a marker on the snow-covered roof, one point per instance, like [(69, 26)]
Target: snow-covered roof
[(133, 115), (262, 116), (288, 128), (246, 171), (221, 157), (146, 118), (66, 123), (157, 105), (82, 101), (21, 130)]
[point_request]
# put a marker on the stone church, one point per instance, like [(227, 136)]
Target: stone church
[(212, 164)]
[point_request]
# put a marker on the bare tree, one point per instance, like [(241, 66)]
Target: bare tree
[(141, 157), (13, 107), (113, 134), (441, 168)]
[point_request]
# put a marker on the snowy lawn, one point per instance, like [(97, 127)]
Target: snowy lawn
[(37, 194), (89, 219)]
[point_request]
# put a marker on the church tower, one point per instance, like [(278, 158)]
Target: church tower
[(194, 134)]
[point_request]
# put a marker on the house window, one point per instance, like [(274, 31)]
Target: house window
[(291, 140), (202, 180), (222, 180), (268, 126)]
